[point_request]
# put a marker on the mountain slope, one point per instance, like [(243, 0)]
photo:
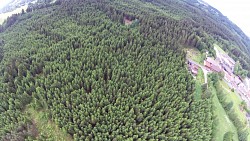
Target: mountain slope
[(105, 70)]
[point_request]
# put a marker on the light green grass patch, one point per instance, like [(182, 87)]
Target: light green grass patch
[(235, 98), (200, 76), (219, 49), (198, 85), (47, 129), (195, 55), (223, 122)]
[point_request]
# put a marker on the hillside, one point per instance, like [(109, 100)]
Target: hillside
[(110, 70)]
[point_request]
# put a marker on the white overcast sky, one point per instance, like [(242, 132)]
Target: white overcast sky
[(3, 3), (237, 11)]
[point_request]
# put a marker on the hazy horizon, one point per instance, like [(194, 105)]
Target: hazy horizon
[(238, 11)]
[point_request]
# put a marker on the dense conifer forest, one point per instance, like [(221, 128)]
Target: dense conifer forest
[(99, 79)]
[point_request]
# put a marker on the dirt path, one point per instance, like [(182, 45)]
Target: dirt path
[(205, 73)]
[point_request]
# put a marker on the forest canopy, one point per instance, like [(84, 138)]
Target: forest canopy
[(101, 79)]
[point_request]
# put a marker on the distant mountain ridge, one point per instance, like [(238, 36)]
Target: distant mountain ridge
[(239, 36)]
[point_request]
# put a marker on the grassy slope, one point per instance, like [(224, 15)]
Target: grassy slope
[(232, 96), (223, 122), (219, 49), (198, 84), (47, 128), (194, 54)]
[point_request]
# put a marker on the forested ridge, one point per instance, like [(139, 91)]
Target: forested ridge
[(99, 79)]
